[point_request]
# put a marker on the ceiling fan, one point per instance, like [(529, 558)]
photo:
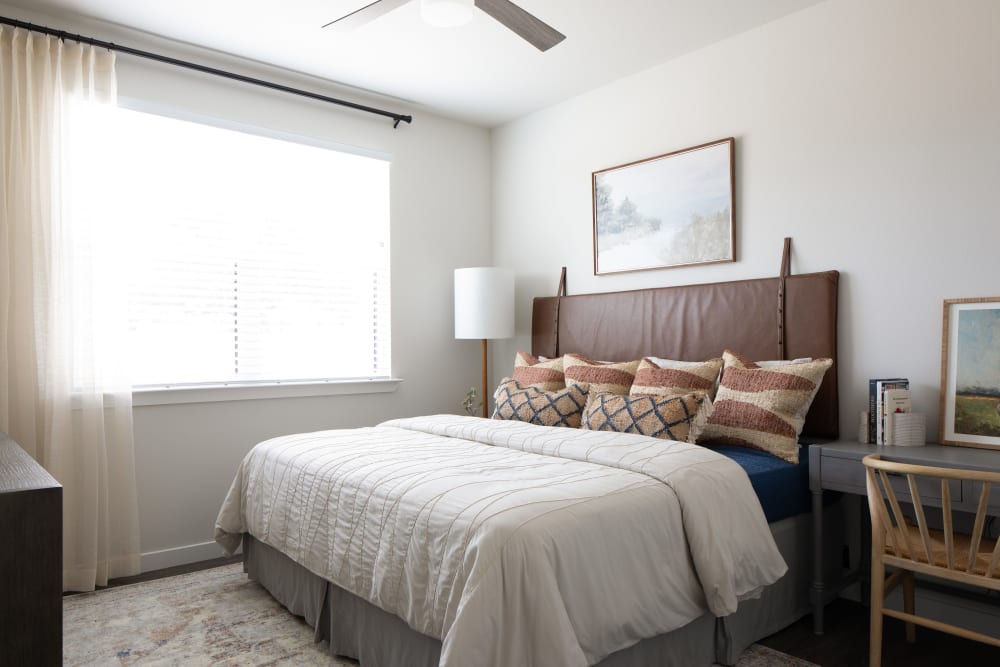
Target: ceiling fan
[(448, 13)]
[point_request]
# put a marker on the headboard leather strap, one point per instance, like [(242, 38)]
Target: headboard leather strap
[(560, 293), (786, 267)]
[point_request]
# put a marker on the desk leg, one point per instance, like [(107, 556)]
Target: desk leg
[(865, 566), (817, 585)]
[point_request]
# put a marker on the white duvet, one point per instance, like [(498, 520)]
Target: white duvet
[(514, 544)]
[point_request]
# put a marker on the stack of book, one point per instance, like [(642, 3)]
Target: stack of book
[(886, 397)]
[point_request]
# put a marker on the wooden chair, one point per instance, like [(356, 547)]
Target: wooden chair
[(909, 548)]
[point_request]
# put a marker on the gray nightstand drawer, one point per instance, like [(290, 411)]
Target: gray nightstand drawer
[(929, 490), (842, 474), (972, 491)]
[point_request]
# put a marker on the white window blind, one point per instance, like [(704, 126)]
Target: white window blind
[(250, 259)]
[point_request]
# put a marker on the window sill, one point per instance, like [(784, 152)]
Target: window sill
[(256, 391)]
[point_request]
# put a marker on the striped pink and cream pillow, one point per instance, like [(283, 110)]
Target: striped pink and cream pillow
[(664, 377), (763, 408), (544, 374), (599, 376)]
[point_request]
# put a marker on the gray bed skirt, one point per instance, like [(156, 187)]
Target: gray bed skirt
[(357, 629)]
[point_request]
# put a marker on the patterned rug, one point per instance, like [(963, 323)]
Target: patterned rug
[(216, 617)]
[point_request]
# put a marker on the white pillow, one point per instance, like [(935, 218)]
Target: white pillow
[(673, 363), (800, 360)]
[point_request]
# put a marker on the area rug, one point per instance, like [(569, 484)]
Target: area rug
[(216, 617)]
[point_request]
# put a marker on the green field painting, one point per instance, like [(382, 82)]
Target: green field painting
[(977, 415)]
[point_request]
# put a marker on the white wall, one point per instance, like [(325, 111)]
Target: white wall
[(186, 455), (867, 130)]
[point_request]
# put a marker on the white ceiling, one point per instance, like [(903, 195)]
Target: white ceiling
[(481, 72)]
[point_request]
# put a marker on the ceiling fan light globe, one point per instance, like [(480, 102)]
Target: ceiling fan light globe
[(447, 13)]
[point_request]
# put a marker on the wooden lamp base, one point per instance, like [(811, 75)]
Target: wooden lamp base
[(482, 397)]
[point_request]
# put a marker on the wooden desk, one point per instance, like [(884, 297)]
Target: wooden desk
[(30, 560), (837, 467)]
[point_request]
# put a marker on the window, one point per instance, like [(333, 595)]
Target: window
[(248, 258)]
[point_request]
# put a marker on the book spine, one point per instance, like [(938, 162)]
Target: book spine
[(879, 417), (872, 415)]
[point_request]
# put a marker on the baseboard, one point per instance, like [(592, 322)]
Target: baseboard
[(191, 553)]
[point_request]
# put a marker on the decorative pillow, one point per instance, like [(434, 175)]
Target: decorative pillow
[(599, 376), (664, 377), (544, 374), (666, 417), (545, 408), (763, 408)]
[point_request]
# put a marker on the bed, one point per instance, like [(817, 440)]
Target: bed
[(570, 572)]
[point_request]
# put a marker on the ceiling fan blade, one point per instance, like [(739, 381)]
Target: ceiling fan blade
[(540, 34), (366, 14)]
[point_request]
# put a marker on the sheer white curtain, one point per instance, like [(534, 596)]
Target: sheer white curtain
[(62, 308)]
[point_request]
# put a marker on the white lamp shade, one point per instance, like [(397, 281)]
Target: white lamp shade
[(447, 13), (484, 302)]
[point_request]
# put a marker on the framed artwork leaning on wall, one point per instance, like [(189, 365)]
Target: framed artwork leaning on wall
[(665, 211), (970, 373)]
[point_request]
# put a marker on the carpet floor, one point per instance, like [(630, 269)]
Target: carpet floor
[(216, 617)]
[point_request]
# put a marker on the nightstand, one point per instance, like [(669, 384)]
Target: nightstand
[(837, 466)]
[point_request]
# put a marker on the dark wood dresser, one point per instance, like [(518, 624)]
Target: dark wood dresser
[(30, 560)]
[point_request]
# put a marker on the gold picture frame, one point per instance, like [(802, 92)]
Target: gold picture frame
[(969, 413)]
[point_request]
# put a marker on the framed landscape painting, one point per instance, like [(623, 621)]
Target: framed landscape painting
[(970, 373), (665, 211)]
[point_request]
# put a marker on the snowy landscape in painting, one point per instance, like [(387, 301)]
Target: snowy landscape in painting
[(667, 211)]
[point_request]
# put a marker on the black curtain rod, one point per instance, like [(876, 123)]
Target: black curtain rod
[(63, 35)]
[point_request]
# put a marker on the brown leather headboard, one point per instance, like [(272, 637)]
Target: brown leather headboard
[(696, 322)]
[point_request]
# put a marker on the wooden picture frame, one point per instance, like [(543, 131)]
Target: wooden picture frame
[(970, 373), (666, 211)]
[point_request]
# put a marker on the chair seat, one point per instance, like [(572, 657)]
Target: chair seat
[(939, 551)]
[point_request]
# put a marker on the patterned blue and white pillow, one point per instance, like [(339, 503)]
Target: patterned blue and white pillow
[(545, 408), (665, 417)]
